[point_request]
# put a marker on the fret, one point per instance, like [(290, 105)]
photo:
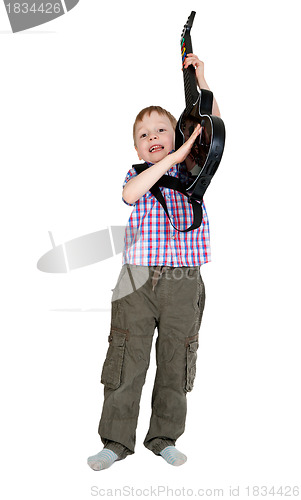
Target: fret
[(190, 85)]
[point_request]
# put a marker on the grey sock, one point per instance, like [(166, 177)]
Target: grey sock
[(103, 460), (173, 456)]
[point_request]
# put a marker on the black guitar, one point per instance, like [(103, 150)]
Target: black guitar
[(207, 151)]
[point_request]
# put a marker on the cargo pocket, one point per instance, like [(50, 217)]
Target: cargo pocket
[(192, 345), (200, 302), (112, 368)]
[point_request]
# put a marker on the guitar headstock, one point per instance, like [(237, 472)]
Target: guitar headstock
[(189, 22), (186, 45)]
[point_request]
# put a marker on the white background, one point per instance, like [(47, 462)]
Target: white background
[(69, 93)]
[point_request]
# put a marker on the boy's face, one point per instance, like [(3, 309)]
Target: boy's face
[(154, 137)]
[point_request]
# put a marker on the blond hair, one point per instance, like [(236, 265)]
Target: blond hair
[(149, 110)]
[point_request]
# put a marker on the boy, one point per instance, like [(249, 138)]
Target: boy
[(159, 286)]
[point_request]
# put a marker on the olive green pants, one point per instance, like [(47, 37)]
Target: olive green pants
[(172, 300)]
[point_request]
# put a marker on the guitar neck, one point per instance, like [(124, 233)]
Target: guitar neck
[(190, 85)]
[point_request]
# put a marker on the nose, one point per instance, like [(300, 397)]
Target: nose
[(152, 137)]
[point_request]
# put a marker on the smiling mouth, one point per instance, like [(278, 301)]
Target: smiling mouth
[(156, 148)]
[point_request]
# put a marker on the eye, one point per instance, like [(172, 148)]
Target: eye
[(161, 129), (143, 135)]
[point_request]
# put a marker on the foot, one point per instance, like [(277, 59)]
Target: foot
[(103, 460), (173, 456)]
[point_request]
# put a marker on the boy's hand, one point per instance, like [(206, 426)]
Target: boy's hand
[(198, 65), (199, 73), (185, 149)]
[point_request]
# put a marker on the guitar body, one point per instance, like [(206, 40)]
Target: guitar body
[(207, 151)]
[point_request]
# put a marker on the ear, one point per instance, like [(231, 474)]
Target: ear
[(138, 154)]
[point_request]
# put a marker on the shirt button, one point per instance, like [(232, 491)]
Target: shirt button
[(173, 236)]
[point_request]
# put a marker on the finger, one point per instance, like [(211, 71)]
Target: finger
[(194, 61), (197, 130), (190, 59), (194, 134), (192, 56)]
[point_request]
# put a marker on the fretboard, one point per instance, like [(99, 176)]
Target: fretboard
[(190, 86)]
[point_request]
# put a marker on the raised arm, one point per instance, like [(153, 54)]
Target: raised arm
[(140, 184), (199, 71)]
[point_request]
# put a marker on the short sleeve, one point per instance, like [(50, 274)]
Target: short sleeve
[(131, 173)]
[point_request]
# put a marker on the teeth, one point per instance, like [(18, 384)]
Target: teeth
[(155, 147)]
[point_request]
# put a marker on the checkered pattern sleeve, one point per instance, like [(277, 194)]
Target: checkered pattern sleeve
[(131, 173)]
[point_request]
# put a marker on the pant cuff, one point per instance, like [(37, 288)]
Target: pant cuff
[(118, 448), (156, 445)]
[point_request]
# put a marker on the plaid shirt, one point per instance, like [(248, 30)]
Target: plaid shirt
[(151, 240)]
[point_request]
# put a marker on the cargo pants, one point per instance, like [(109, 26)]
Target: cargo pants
[(172, 300)]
